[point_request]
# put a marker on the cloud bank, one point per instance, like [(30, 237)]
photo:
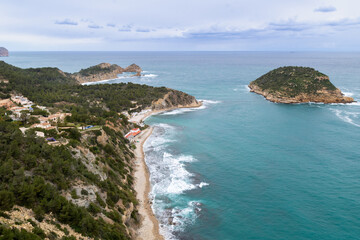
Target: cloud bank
[(180, 25)]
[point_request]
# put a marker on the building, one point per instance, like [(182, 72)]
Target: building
[(7, 103), (41, 125), (58, 117), (134, 132), (22, 100)]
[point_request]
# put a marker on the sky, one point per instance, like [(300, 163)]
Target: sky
[(180, 25)]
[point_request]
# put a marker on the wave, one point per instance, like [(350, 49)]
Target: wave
[(347, 116), (170, 179), (346, 104), (348, 94), (150, 75)]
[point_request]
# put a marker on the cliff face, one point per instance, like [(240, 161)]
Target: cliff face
[(104, 71), (4, 52), (297, 85), (175, 99)]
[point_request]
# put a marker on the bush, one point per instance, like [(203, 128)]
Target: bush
[(6, 200)]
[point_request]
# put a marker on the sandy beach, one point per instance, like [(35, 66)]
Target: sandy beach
[(149, 228)]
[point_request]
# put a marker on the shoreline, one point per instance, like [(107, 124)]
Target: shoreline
[(149, 225)]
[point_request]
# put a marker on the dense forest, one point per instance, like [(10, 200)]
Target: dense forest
[(52, 181), (53, 88)]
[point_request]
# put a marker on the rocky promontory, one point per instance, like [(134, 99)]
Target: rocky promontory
[(104, 71), (297, 85), (4, 52), (175, 99)]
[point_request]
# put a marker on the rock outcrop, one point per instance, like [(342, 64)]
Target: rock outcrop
[(4, 52), (297, 85), (175, 99), (104, 71)]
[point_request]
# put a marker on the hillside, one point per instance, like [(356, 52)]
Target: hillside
[(66, 169), (297, 85)]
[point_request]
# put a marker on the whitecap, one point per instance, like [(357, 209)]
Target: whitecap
[(149, 75), (348, 94), (170, 179), (203, 184), (347, 116)]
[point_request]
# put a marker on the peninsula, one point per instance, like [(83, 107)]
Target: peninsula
[(297, 85), (104, 71), (4, 52), (66, 146)]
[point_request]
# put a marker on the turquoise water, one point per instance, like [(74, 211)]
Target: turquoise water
[(242, 167)]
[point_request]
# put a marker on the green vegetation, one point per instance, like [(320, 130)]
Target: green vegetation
[(52, 88), (42, 177), (291, 81), (97, 69)]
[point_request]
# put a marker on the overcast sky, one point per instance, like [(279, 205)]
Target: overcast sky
[(251, 25)]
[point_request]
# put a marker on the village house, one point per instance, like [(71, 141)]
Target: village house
[(22, 101), (44, 125), (134, 132), (7, 103)]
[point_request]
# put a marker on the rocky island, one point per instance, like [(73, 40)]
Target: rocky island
[(4, 52), (104, 71), (297, 85)]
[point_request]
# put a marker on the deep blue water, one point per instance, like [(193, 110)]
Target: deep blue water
[(242, 167)]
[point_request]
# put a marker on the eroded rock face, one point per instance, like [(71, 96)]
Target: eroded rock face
[(175, 99), (323, 96), (4, 52), (297, 85)]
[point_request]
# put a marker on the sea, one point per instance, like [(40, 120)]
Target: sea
[(240, 167)]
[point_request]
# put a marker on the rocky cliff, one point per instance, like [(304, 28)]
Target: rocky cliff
[(297, 85), (175, 99), (4, 52), (104, 71)]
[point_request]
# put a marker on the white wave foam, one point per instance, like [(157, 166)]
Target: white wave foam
[(149, 75), (346, 104), (177, 218), (178, 111), (169, 180), (347, 116), (203, 184), (177, 178), (208, 102), (348, 94)]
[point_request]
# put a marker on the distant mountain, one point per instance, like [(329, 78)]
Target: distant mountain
[(4, 52)]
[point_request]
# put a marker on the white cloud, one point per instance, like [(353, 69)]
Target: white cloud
[(184, 24)]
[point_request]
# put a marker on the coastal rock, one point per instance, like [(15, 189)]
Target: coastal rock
[(4, 52), (104, 71), (133, 68), (297, 85), (175, 99)]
